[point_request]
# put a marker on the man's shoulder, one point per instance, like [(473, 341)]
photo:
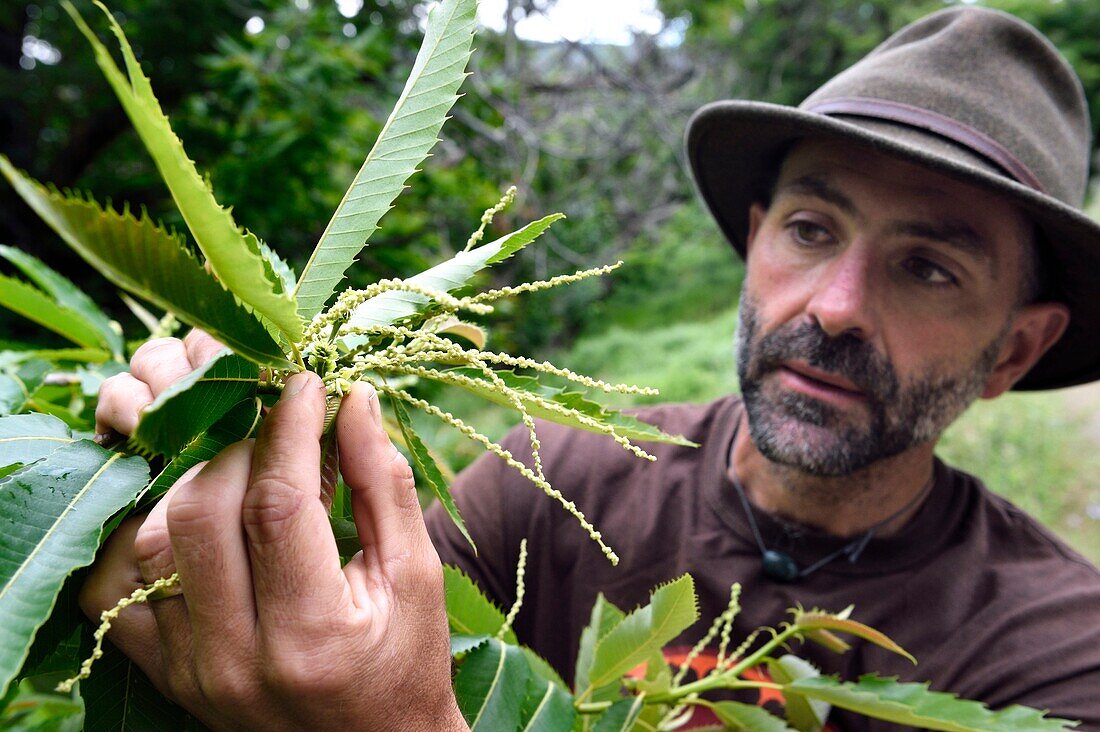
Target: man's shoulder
[(1015, 539)]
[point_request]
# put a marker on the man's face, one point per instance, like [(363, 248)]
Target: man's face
[(877, 302)]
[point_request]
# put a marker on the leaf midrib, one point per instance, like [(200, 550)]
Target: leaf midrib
[(57, 521), (492, 686), (34, 437)]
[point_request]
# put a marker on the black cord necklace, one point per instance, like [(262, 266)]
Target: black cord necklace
[(782, 567)]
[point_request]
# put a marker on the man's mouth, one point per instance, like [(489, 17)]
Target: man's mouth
[(802, 377)]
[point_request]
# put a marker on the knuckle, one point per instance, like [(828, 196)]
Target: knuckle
[(154, 346), (94, 597), (188, 512), (181, 686), (301, 674), (401, 474), (269, 505), (152, 546), (420, 572), (227, 686), (113, 383)]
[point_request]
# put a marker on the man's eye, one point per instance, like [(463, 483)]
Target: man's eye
[(807, 233), (929, 272)]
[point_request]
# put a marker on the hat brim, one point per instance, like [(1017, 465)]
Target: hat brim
[(734, 149)]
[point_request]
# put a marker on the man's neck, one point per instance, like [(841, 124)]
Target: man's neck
[(844, 506)]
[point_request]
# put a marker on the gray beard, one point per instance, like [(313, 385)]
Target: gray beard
[(815, 438)]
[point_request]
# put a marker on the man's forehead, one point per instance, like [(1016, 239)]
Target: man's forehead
[(922, 202)]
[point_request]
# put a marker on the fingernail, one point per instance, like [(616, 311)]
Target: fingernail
[(374, 405), (294, 385)]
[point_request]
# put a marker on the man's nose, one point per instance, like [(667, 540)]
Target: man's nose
[(841, 301)]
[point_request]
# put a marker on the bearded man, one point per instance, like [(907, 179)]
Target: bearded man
[(913, 242)]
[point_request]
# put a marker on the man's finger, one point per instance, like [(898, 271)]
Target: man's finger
[(121, 399), (384, 501), (160, 363), (208, 545), (201, 347), (115, 575), (295, 564), (153, 552)]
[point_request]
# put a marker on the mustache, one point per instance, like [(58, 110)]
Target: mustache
[(845, 355)]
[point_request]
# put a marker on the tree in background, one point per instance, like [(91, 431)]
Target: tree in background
[(261, 90)]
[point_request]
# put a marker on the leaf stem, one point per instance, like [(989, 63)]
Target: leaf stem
[(728, 679), (678, 695)]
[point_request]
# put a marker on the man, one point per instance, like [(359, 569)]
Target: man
[(912, 244)]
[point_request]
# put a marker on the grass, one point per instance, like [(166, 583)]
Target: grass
[(1034, 450)]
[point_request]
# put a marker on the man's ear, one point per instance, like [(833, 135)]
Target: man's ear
[(1033, 331), (757, 211)]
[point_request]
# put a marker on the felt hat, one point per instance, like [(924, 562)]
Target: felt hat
[(973, 93)]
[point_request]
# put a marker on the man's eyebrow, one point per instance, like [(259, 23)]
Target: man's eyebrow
[(957, 234), (818, 187)]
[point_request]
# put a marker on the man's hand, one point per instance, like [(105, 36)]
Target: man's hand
[(156, 365), (270, 631)]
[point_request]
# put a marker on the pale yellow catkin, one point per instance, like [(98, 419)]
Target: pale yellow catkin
[(107, 617), (487, 217), (507, 457), (542, 402), (521, 570), (536, 286), (721, 623)]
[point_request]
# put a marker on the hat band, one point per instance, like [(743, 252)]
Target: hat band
[(953, 130)]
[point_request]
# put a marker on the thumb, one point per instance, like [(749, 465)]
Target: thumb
[(384, 502)]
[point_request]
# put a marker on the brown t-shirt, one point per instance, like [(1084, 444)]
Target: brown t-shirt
[(992, 605)]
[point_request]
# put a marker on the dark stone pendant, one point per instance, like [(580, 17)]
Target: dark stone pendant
[(779, 566)]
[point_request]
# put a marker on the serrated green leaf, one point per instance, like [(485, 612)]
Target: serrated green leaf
[(671, 609), (156, 265), (917, 706), (233, 254), (532, 391), (25, 438), (279, 267), (53, 511), (429, 471), (542, 669), (822, 622), (736, 715), (602, 619), (119, 697), (34, 305), (68, 296), (805, 715), (404, 142), (547, 707), (62, 642), (658, 676), (621, 716), (194, 403), (463, 644), (454, 274), (71, 355), (469, 611), (490, 686), (239, 423), (17, 386)]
